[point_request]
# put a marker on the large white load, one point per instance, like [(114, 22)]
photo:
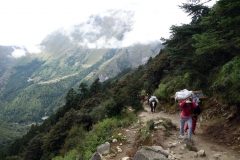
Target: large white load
[(153, 98), (183, 94)]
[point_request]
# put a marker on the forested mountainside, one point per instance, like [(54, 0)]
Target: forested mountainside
[(35, 85), (8, 132), (203, 54)]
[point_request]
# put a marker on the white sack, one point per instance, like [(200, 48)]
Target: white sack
[(183, 94), (152, 98)]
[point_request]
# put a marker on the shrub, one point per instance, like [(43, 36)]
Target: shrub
[(98, 113), (169, 85), (150, 125)]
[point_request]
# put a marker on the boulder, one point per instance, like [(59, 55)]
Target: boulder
[(151, 153), (159, 149), (97, 156), (103, 148)]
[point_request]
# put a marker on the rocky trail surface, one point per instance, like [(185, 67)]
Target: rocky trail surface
[(203, 147)]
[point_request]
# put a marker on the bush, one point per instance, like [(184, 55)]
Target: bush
[(169, 85), (227, 84), (150, 125), (101, 133), (73, 154), (75, 135), (113, 107), (99, 113)]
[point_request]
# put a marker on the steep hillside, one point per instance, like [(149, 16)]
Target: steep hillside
[(9, 132), (38, 83)]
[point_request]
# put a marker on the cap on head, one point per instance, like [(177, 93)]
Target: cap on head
[(187, 101)]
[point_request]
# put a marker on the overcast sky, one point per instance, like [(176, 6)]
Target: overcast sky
[(27, 22)]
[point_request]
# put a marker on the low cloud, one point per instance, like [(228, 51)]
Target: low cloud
[(109, 29), (103, 42), (17, 53), (33, 49), (23, 50)]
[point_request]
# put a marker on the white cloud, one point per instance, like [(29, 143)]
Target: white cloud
[(103, 42), (28, 22), (18, 52), (23, 50), (33, 48)]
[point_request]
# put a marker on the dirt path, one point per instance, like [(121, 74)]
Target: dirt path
[(201, 142)]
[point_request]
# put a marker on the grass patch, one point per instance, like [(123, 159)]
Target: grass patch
[(101, 132), (190, 147), (144, 135), (150, 125)]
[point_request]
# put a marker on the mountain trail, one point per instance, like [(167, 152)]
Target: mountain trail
[(212, 150), (57, 79)]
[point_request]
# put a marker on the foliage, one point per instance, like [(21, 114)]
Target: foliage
[(13, 158), (170, 85), (155, 70), (196, 11), (227, 84), (150, 125), (144, 134), (100, 112), (221, 36), (34, 150), (72, 154), (10, 132), (54, 140), (75, 135), (100, 133)]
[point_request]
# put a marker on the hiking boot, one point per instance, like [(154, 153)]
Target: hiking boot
[(181, 137), (186, 140)]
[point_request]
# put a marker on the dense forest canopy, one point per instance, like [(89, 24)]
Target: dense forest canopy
[(203, 54)]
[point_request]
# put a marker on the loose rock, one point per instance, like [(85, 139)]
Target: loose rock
[(114, 140), (201, 153), (217, 156)]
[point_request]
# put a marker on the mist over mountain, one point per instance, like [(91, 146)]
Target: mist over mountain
[(108, 30), (35, 85)]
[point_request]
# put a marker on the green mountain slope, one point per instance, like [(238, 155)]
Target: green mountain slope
[(38, 83), (9, 132)]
